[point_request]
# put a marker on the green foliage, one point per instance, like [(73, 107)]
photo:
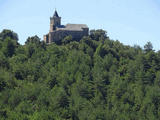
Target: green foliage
[(148, 47), (67, 40), (98, 34), (9, 47), (8, 33), (93, 79)]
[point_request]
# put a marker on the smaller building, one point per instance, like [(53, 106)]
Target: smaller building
[(58, 32)]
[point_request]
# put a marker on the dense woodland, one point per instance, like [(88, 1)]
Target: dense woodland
[(95, 78)]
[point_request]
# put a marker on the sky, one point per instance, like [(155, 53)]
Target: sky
[(132, 22)]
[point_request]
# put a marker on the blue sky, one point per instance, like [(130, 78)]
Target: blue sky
[(129, 21)]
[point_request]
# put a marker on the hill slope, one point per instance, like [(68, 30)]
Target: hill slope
[(94, 79)]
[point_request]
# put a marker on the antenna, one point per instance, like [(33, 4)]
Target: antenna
[(55, 4), (50, 4)]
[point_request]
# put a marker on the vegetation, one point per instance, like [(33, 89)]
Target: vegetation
[(93, 79)]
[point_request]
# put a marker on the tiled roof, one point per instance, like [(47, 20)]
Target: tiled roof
[(74, 27)]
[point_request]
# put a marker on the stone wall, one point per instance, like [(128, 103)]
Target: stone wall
[(46, 38), (59, 35)]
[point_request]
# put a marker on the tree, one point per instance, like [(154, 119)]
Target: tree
[(67, 40), (98, 34), (35, 39), (148, 47), (9, 47), (8, 33)]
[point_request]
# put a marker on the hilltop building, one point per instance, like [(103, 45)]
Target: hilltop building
[(58, 32)]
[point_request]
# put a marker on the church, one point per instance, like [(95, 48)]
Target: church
[(57, 31)]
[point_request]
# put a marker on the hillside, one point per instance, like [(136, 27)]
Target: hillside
[(93, 79)]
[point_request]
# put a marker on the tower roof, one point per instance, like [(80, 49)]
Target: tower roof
[(55, 14)]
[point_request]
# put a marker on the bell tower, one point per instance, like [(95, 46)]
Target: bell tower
[(55, 21)]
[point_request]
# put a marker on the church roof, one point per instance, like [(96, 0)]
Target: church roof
[(55, 14), (74, 27)]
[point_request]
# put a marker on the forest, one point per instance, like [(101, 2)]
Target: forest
[(96, 78)]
